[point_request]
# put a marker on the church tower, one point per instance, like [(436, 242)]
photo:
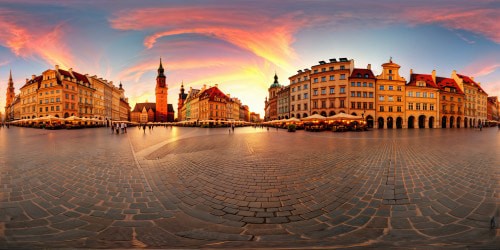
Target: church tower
[(161, 95), (10, 93), (180, 103)]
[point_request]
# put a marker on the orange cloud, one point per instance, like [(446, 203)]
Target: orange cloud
[(267, 36), (28, 38)]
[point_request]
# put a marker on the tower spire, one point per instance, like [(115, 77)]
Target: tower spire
[(161, 70), (275, 78)]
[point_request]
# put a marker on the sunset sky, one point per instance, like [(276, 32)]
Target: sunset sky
[(239, 45)]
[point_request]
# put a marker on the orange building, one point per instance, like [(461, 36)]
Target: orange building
[(212, 104), (422, 94), (362, 94), (300, 88), (451, 103)]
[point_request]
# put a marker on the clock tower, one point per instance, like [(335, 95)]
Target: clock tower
[(161, 95)]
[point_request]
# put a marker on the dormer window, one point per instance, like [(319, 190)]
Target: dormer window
[(366, 76), (358, 75), (421, 84)]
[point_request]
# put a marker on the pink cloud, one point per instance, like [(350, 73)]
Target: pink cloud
[(29, 38), (267, 36)]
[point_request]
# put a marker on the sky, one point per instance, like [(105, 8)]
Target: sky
[(241, 44)]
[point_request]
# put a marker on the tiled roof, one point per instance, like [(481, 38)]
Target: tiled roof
[(149, 105), (361, 73), (65, 73), (38, 80), (448, 82), (213, 92), (429, 82), (80, 77), (469, 80)]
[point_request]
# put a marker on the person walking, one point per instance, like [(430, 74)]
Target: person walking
[(125, 127), (144, 127), (112, 128)]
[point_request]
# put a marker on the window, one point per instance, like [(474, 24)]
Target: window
[(417, 106), (323, 69), (323, 78), (359, 105), (323, 104), (353, 105), (315, 104), (298, 97), (410, 106), (370, 85), (293, 89), (293, 98), (292, 107), (315, 92), (331, 104), (459, 100), (370, 105), (353, 94), (410, 93), (57, 108), (323, 91), (342, 76), (342, 67), (298, 88), (298, 107), (424, 106), (332, 78), (315, 71), (391, 98), (381, 108), (358, 84), (306, 86), (305, 96), (364, 84), (451, 98), (381, 98), (365, 105), (381, 87), (41, 109), (400, 88), (399, 108), (305, 106), (57, 91), (370, 94), (417, 94), (399, 98), (390, 77), (353, 84), (58, 99), (444, 98), (332, 90), (390, 71), (391, 87), (342, 90), (315, 80), (358, 94), (365, 95), (40, 101), (342, 103), (424, 94), (46, 109), (66, 106), (390, 109), (46, 101)]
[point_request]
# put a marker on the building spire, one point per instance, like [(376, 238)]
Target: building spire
[(161, 70), (11, 83), (121, 86), (275, 78)]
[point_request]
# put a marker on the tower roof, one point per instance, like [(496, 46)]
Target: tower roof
[(275, 83), (161, 71), (11, 83)]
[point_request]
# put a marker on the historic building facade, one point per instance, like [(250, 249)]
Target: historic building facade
[(64, 93), (271, 104), (283, 101), (451, 104), (422, 95), (390, 97), (362, 94), (300, 88), (493, 109), (475, 106)]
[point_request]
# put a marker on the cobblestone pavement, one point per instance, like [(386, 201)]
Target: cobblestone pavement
[(206, 188)]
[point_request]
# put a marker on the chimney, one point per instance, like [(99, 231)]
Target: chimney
[(70, 70), (411, 72), (472, 78), (434, 75), (369, 66), (57, 67), (217, 85), (33, 77)]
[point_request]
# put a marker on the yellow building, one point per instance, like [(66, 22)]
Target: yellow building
[(212, 104), (329, 86), (362, 94), (29, 98), (476, 100), (422, 95), (390, 97), (299, 89)]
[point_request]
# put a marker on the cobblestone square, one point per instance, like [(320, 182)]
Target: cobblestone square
[(175, 187)]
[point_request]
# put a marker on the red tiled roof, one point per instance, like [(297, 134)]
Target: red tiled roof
[(213, 92), (448, 82), (65, 73), (467, 79), (361, 73), (149, 105), (80, 77), (429, 82), (38, 80)]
